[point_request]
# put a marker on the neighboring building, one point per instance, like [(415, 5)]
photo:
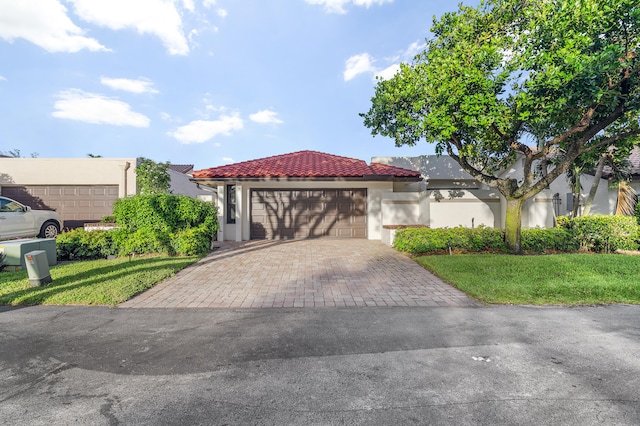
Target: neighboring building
[(82, 190), (456, 199)]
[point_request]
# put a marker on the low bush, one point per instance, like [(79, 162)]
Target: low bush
[(482, 239), (192, 241), (545, 240), (79, 244), (602, 233), (424, 240)]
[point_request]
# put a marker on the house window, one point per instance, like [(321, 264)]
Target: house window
[(231, 204)]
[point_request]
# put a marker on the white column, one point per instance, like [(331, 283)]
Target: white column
[(221, 211), (239, 211)]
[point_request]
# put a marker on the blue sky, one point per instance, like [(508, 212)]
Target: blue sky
[(203, 82)]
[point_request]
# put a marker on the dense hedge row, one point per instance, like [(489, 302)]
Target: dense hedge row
[(601, 233), (588, 233), (162, 223)]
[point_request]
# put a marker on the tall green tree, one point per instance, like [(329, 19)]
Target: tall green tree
[(152, 177), (491, 73)]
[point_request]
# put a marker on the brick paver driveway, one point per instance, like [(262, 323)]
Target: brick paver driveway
[(302, 273)]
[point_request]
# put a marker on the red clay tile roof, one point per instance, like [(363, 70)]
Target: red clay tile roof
[(303, 164)]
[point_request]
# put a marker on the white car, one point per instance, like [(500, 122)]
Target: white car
[(17, 220)]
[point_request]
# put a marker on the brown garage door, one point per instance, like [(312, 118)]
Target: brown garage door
[(293, 213), (76, 203)]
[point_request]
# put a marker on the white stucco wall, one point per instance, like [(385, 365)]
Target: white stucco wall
[(464, 208), (70, 171), (181, 185)]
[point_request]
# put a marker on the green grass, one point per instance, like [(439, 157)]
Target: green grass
[(94, 282), (566, 279)]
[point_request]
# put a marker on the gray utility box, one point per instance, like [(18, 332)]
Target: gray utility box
[(14, 251), (37, 268)]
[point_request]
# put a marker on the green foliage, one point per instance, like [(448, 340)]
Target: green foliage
[(108, 219), (424, 240), (79, 244), (637, 212), (152, 177), (565, 74), (542, 240), (192, 241), (164, 223), (600, 233), (482, 239)]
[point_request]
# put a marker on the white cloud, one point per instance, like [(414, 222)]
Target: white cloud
[(364, 63), (338, 6), (228, 160), (2, 78), (141, 85), (265, 117), (413, 49), (358, 64), (188, 4), (208, 3), (222, 13), (77, 105), (156, 17), (44, 23), (199, 131), (388, 72)]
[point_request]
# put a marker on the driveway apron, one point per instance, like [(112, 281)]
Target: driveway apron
[(302, 273)]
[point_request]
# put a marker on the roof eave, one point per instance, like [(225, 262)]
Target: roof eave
[(366, 178)]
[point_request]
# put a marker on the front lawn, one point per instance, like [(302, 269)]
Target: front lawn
[(94, 282), (567, 279)]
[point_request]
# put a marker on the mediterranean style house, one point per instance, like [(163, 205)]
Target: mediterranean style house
[(313, 194)]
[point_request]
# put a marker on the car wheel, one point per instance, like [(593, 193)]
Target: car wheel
[(49, 230)]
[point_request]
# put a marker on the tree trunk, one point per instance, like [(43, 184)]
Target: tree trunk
[(513, 225), (594, 185)]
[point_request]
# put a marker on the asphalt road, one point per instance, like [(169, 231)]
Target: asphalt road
[(494, 365)]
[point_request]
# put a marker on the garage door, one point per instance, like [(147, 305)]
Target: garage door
[(76, 203), (280, 214)]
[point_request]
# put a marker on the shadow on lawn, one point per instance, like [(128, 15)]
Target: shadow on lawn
[(37, 295)]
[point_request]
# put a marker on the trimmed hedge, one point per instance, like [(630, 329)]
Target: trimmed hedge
[(602, 233), (424, 240), (597, 233), (79, 244), (536, 240)]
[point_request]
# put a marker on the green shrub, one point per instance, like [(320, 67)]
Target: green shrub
[(424, 240), (601, 233), (159, 223), (192, 241), (543, 240), (142, 241), (79, 244), (537, 240), (637, 212), (108, 219)]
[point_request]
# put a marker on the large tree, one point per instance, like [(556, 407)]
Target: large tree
[(490, 74)]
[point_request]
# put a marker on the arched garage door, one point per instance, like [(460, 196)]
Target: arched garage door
[(299, 213)]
